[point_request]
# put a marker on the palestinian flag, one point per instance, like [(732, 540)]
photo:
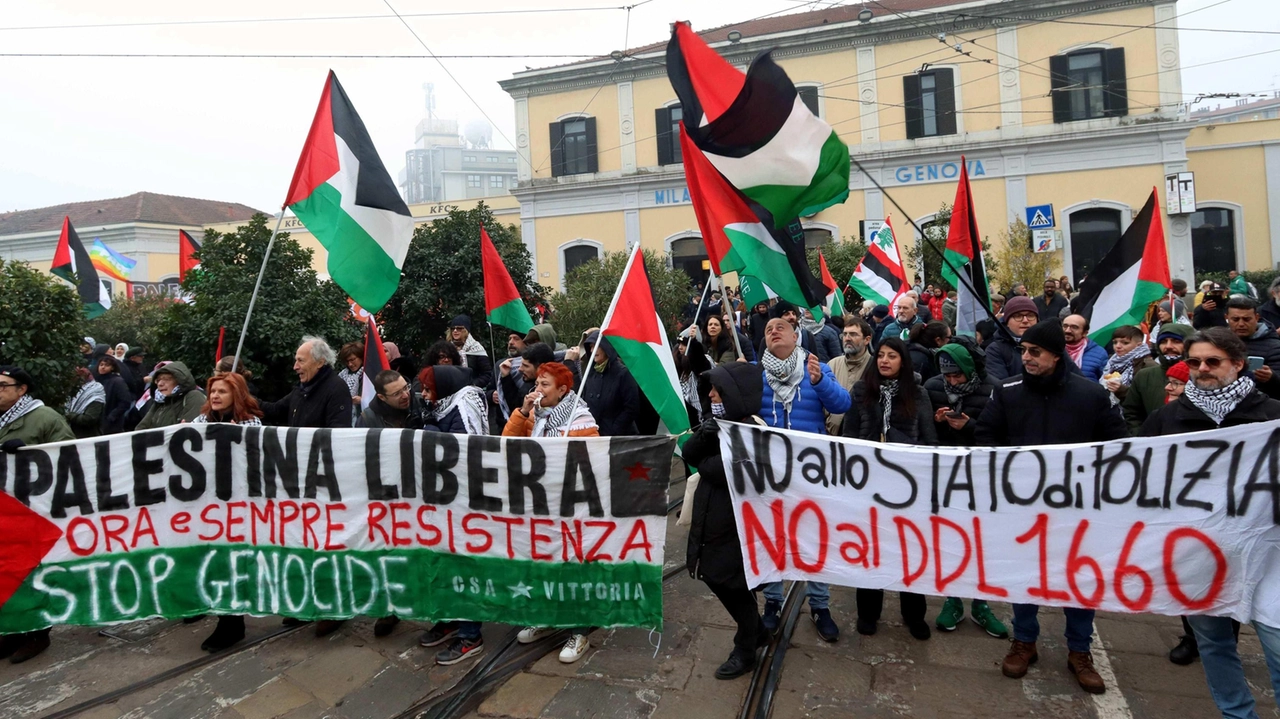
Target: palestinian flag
[(636, 333), (880, 276), (834, 304), (222, 338), (964, 253), (756, 131), (187, 249), (754, 291), (72, 263), (344, 196), (502, 303), (375, 361), (741, 237), (1134, 274)]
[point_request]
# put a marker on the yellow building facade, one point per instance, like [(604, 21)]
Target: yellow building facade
[(1050, 102)]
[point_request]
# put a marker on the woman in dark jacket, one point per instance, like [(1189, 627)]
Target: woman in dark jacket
[(118, 398), (925, 341), (454, 405), (719, 342), (715, 553), (890, 406)]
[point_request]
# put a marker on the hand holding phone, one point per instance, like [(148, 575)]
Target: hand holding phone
[(1255, 363)]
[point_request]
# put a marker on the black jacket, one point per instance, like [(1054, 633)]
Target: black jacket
[(133, 375), (448, 381), (611, 395), (1181, 416), (482, 372), (1216, 317), (865, 422), (1052, 309), (971, 404), (1059, 409), (119, 399), (1265, 343), (1270, 312), (380, 415), (714, 553), (922, 360), (325, 401), (1004, 358)]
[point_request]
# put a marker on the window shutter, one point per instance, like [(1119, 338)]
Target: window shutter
[(662, 121), (557, 149), (946, 104), (1057, 81), (809, 96), (1117, 98), (593, 164), (913, 109)]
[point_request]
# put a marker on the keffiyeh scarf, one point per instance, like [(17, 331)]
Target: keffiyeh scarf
[(354, 380), (888, 390), (1124, 363), (470, 347), (89, 393), (689, 391), (784, 375), (553, 421), (25, 404), (1218, 403), (205, 419), (471, 407), (957, 393)]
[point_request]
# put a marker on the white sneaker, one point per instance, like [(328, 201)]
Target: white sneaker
[(574, 649), (529, 635)]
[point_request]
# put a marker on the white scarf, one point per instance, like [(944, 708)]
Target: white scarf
[(1218, 403), (26, 403), (471, 407), (552, 421), (784, 375), (89, 393), (471, 347)]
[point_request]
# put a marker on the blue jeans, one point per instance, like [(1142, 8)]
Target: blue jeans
[(819, 594), (1222, 668), (1026, 625), (468, 630)]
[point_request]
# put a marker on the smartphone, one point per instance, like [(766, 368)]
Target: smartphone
[(955, 414), (1255, 363)]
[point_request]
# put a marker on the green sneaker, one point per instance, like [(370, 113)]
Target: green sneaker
[(985, 618), (951, 614)]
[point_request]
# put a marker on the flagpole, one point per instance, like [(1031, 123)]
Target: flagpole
[(257, 286), (705, 289)]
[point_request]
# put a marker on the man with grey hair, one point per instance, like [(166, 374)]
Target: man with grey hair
[(321, 399)]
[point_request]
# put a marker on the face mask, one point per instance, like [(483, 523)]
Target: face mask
[(717, 409)]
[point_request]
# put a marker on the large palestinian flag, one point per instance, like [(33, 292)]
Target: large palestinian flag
[(880, 276), (741, 237), (71, 262), (1134, 274), (964, 253), (502, 303), (636, 333), (344, 196), (756, 131)]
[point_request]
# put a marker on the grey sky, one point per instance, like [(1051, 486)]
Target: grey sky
[(231, 129)]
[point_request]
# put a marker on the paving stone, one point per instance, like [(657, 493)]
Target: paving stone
[(523, 697), (104, 712), (190, 702), (813, 674), (276, 698), (965, 650), (239, 677), (390, 691), (312, 710), (1145, 673), (584, 699), (336, 671), (1162, 706), (927, 692), (1119, 635)]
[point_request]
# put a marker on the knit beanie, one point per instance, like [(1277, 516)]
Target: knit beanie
[(1018, 304), (1178, 371), (1047, 334), (1174, 330), (461, 321), (953, 358)]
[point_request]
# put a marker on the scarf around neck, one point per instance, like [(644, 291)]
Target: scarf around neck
[(1218, 403), (888, 390), (25, 404), (956, 393), (89, 393), (470, 347), (471, 407), (554, 421), (1076, 350), (1124, 363), (784, 375)]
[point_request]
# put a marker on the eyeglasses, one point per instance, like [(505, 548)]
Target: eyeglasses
[(458, 327), (1209, 363), (1035, 352), (398, 393), (6, 385), (1175, 383)]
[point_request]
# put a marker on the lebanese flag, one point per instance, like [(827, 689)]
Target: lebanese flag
[(502, 303), (187, 249), (1134, 274), (756, 131), (880, 276), (344, 196), (834, 304), (636, 333), (964, 252), (740, 235), (375, 361), (72, 263)]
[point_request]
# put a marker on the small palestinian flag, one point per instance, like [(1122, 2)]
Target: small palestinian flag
[(756, 131), (834, 304), (880, 276), (375, 361), (187, 249), (1134, 274), (636, 333), (344, 196), (72, 263), (964, 252), (502, 303)]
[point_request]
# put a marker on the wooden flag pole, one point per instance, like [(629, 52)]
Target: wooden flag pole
[(257, 286)]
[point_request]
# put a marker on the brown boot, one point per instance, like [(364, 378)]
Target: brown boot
[(1021, 656), (1081, 665)]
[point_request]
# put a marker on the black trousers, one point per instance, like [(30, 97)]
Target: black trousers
[(871, 601), (741, 605)]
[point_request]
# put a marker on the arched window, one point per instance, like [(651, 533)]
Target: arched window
[(576, 253), (1213, 240), (1094, 231), (816, 237), (690, 254)]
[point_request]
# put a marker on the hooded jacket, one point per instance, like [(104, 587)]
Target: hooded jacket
[(100, 350), (181, 406), (612, 395), (1182, 416), (118, 400), (714, 553), (322, 402), (1059, 409), (450, 380), (547, 334)]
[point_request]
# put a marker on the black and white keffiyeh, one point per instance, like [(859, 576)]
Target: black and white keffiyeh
[(26, 403), (471, 407), (554, 421), (205, 419), (1124, 363), (957, 392), (1218, 403), (784, 375), (470, 347), (89, 393), (888, 390)]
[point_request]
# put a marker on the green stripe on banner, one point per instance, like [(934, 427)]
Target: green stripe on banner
[(512, 315), (829, 186), (356, 261), (411, 583)]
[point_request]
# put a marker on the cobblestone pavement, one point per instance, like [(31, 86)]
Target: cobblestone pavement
[(352, 675)]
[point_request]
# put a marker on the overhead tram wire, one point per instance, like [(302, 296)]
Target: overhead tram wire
[(1240, 31), (261, 56)]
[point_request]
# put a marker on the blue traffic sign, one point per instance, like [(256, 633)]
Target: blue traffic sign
[(1040, 217)]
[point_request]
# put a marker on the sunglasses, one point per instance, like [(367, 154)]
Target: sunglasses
[(1210, 363), (1035, 352)]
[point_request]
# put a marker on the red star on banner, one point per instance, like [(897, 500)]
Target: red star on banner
[(637, 471)]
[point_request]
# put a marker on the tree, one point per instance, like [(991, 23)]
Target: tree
[(842, 260), (589, 289), (1017, 263), (134, 321), (293, 302), (442, 278), (936, 231), (41, 328)]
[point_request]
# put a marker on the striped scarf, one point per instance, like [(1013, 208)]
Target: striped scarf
[(1218, 403), (554, 421), (89, 393)]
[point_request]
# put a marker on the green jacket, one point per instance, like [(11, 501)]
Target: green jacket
[(1146, 395), (175, 410), (39, 426), (87, 423), (1239, 286)]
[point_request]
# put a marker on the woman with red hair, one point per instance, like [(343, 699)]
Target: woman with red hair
[(229, 401), (546, 410)]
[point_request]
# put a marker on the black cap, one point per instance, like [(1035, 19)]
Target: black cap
[(19, 375), (1047, 334), (135, 352)]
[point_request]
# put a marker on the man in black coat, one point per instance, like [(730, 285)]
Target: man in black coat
[(1047, 404), (608, 388), (1260, 340), (1212, 311), (1051, 303), (119, 398), (1220, 394)]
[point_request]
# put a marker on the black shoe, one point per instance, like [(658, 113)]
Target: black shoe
[(230, 630), (35, 645), (438, 634), (325, 627), (866, 627), (193, 620), (826, 626), (919, 630), (770, 617), (1186, 652), (10, 643), (293, 622), (384, 626), (736, 665)]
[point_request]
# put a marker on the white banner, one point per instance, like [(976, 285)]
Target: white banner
[(1187, 524)]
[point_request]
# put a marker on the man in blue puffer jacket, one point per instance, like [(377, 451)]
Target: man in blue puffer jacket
[(797, 388), (1088, 355)]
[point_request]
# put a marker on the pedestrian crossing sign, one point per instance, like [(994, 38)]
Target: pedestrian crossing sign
[(1040, 217)]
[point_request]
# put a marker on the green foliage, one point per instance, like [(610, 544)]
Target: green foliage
[(134, 321), (936, 231), (443, 278), (842, 259), (293, 302), (1260, 278), (1017, 263), (589, 289), (41, 328)]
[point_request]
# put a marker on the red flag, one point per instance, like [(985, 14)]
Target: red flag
[(502, 303), (375, 361), (187, 247), (222, 336)]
